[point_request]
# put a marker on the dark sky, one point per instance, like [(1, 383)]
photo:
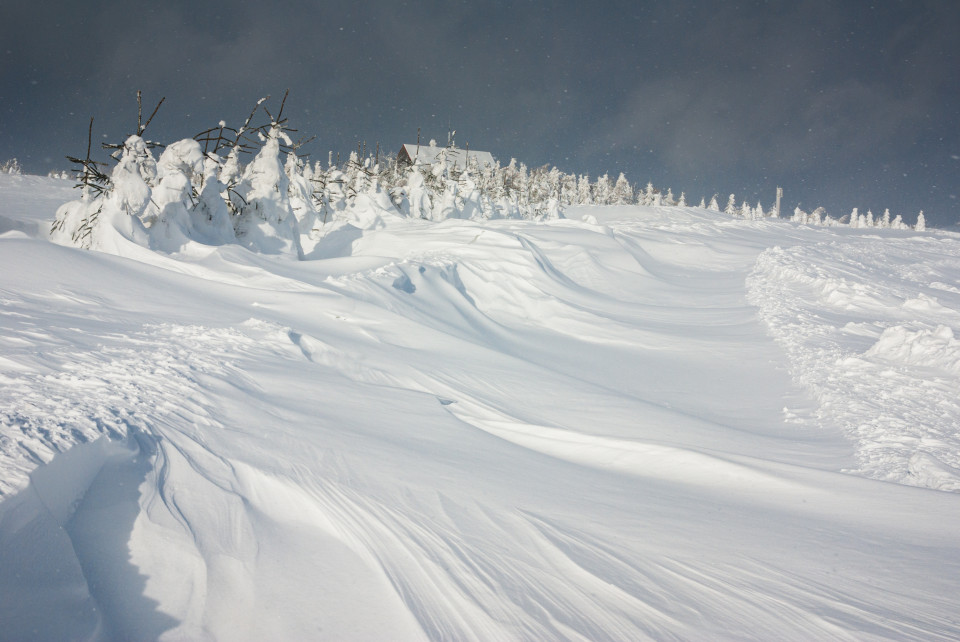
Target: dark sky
[(844, 104)]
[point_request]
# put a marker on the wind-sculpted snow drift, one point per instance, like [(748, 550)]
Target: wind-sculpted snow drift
[(632, 423)]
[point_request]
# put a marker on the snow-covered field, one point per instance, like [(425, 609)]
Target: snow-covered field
[(662, 423)]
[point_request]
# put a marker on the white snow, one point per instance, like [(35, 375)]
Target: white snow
[(630, 423)]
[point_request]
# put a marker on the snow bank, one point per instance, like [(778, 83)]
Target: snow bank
[(866, 335)]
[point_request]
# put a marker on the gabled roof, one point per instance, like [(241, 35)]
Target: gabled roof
[(456, 157)]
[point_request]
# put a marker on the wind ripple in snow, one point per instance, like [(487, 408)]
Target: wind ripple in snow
[(127, 381), (872, 333)]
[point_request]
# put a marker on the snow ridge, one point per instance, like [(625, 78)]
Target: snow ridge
[(882, 361)]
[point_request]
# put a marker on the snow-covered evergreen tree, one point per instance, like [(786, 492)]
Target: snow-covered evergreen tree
[(921, 225), (584, 191), (622, 191), (731, 208), (854, 218), (602, 191), (265, 220), (11, 166)]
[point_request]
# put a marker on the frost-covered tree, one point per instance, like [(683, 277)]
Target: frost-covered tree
[(714, 205), (11, 166), (622, 191), (602, 191), (647, 198), (731, 208), (584, 190), (101, 221), (921, 225), (265, 220), (683, 201)]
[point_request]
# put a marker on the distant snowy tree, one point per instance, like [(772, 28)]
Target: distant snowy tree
[(584, 192), (602, 192), (869, 221), (683, 200), (817, 216), (417, 194), (568, 189), (11, 166), (703, 203), (731, 208), (648, 196), (921, 225), (885, 221), (898, 223), (854, 218), (622, 191), (714, 206)]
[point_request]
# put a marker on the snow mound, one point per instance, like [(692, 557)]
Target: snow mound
[(936, 349)]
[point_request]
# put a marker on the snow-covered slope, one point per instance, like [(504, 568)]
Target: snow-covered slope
[(661, 423)]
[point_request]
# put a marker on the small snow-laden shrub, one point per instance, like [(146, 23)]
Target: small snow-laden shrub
[(103, 221), (265, 222), (300, 194), (415, 201), (371, 206), (11, 166), (211, 215), (469, 197), (169, 221)]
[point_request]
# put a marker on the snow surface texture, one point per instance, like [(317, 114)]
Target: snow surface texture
[(630, 424), (871, 332)]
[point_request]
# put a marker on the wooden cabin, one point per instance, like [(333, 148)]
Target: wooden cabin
[(456, 158)]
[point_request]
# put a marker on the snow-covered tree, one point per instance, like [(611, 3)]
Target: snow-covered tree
[(855, 218), (602, 191), (11, 166), (647, 198), (731, 208), (921, 225), (584, 191), (622, 191), (265, 220)]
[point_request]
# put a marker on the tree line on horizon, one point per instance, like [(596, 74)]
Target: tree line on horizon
[(202, 187)]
